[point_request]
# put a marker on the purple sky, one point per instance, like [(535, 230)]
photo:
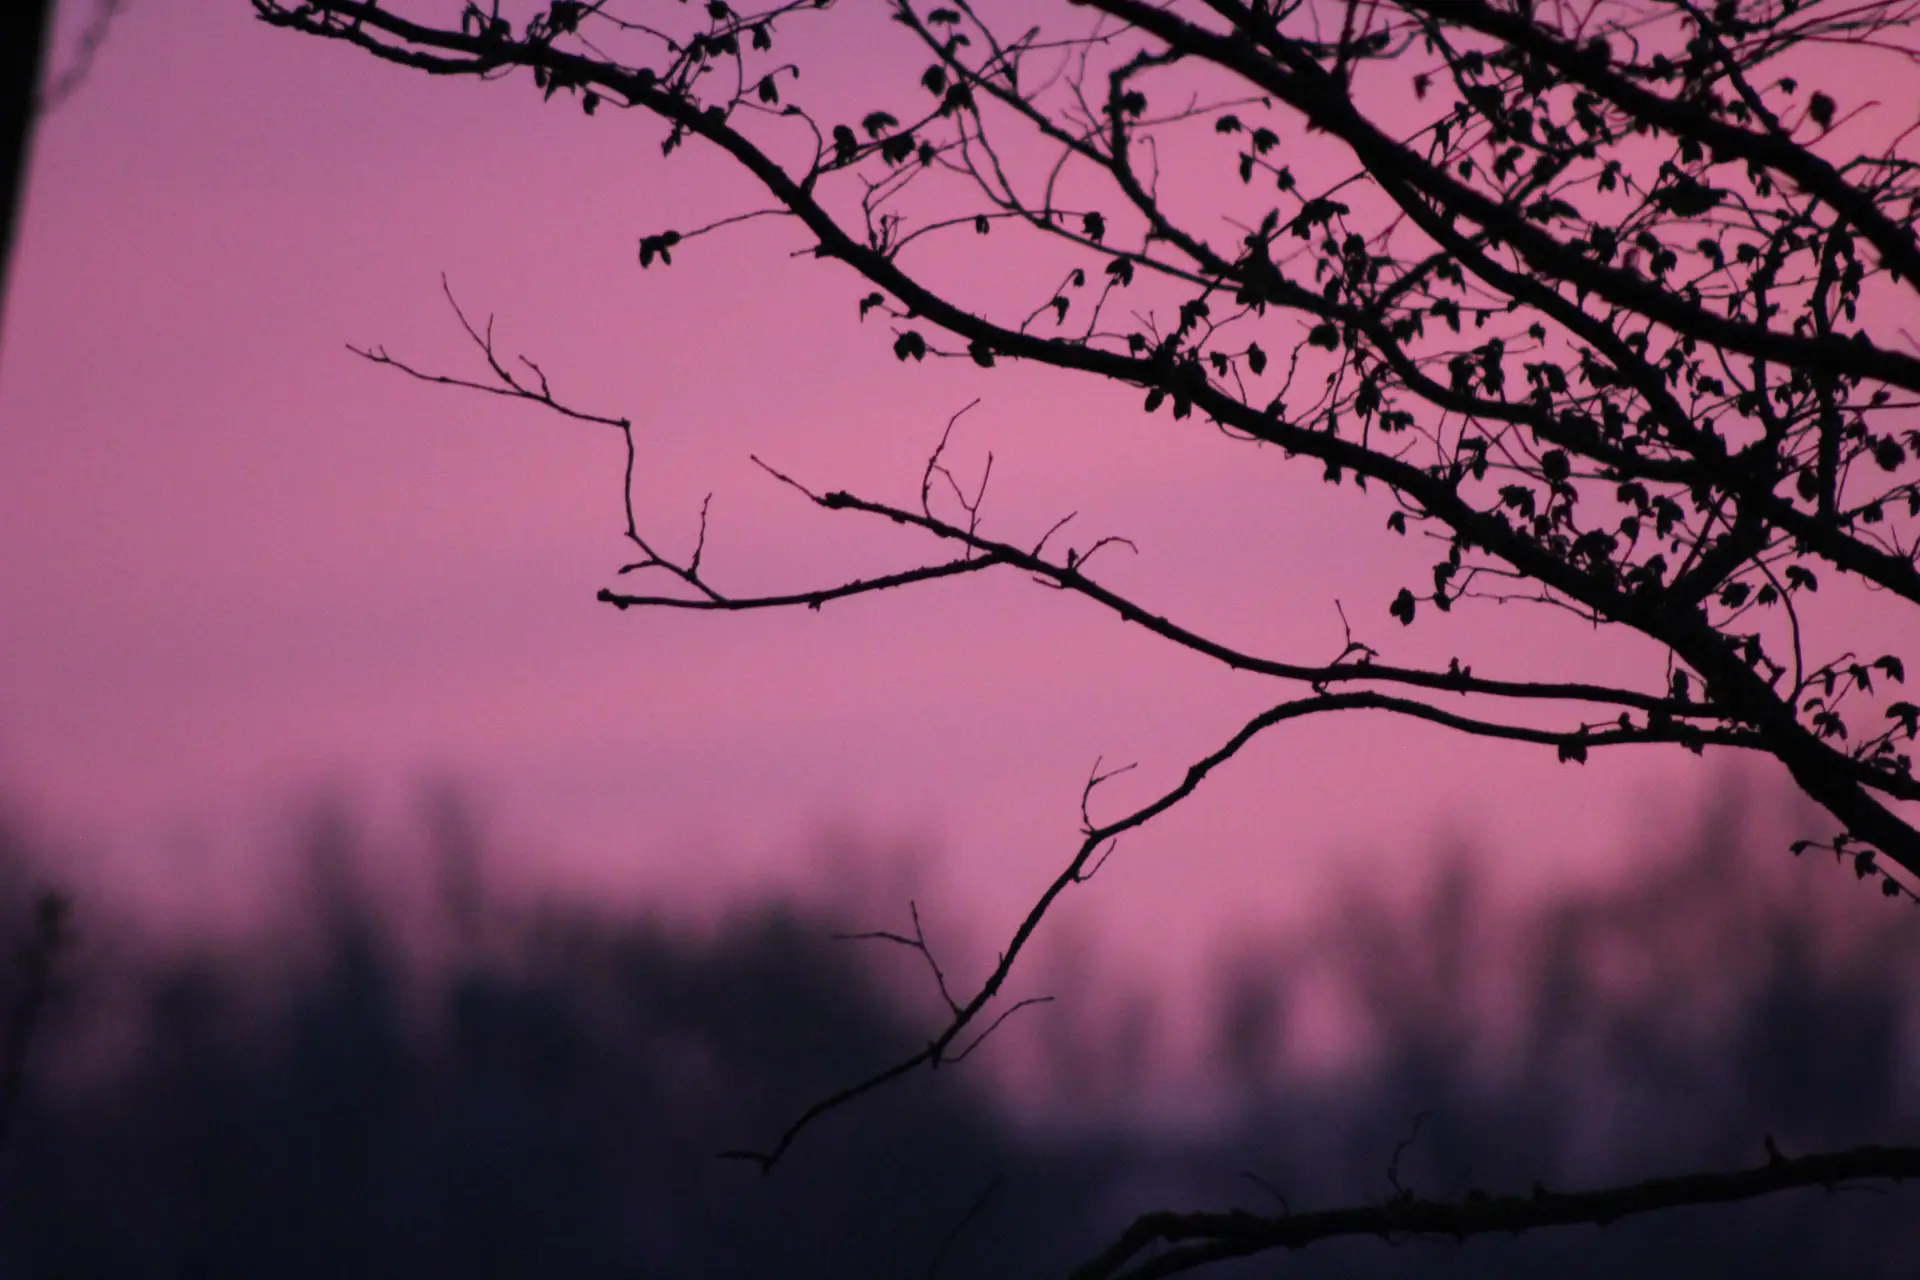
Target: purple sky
[(240, 562)]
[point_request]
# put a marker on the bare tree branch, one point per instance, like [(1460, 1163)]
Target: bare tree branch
[(1196, 1240), (1596, 295)]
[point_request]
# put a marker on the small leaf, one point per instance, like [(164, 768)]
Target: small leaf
[(1324, 335), (982, 354), (660, 246), (1397, 521), (869, 302), (910, 344), (1256, 359), (935, 80), (1402, 607), (1686, 198), (1820, 109), (1095, 227)]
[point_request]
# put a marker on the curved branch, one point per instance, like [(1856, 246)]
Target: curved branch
[(1087, 858)]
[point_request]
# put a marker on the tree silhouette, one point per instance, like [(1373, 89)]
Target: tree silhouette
[(1604, 298), (23, 39), (25, 30)]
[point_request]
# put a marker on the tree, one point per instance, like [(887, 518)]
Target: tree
[(1605, 298), (23, 40), (25, 31)]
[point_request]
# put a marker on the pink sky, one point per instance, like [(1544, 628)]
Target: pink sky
[(240, 562)]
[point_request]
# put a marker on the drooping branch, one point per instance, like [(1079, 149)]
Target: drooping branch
[(1096, 842)]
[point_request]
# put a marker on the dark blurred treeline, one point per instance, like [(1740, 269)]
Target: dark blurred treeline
[(534, 1092)]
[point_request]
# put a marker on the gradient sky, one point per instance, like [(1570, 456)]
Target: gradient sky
[(241, 563)]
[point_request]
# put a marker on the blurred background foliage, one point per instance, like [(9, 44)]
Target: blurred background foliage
[(488, 1088)]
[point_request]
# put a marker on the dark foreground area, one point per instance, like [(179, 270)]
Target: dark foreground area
[(545, 1097)]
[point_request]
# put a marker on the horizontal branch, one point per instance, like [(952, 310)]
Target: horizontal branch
[(1070, 577), (811, 599), (1201, 1239), (1670, 719)]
